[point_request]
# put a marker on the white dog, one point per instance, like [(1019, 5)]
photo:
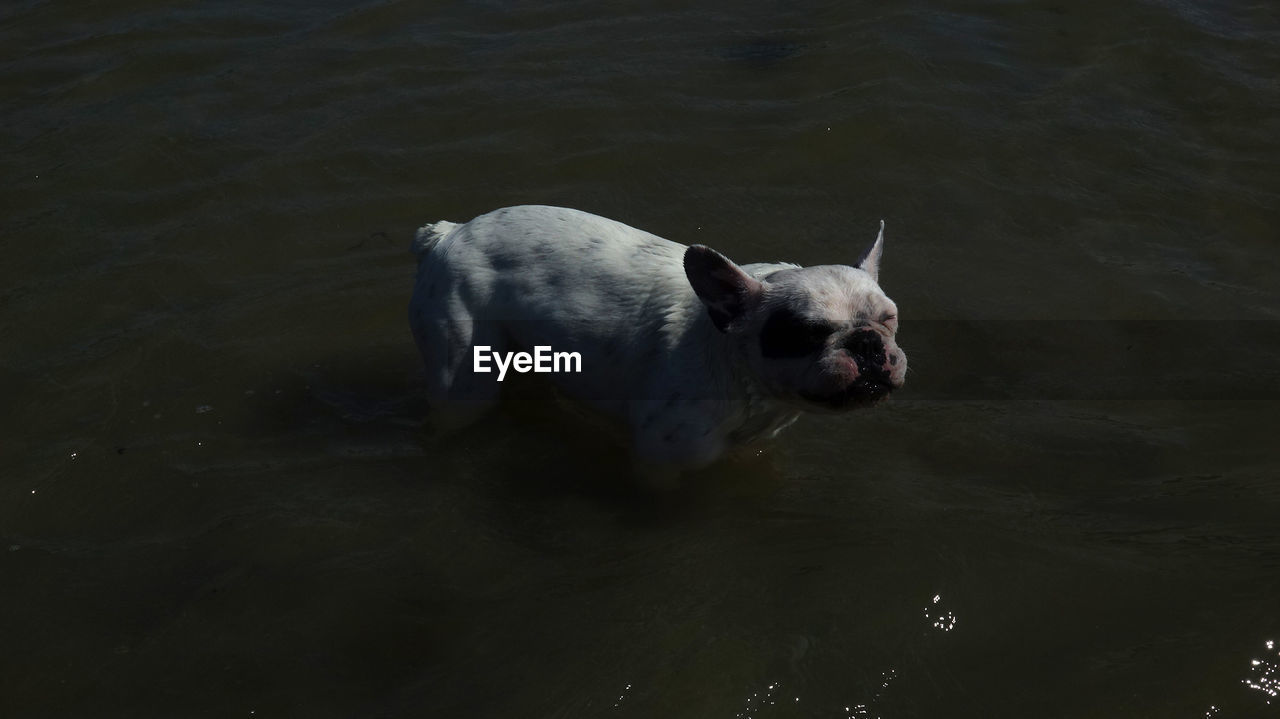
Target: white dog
[(691, 352)]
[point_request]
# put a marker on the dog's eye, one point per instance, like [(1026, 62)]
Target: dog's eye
[(787, 334)]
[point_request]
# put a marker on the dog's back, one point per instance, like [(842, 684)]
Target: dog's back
[(529, 276)]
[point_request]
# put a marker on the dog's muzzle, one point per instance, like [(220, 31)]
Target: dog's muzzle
[(875, 378), (867, 349)]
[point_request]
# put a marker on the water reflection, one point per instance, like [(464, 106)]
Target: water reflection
[(756, 701), (757, 704), (1264, 673), (622, 696), (863, 711)]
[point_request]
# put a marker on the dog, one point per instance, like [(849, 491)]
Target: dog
[(692, 353)]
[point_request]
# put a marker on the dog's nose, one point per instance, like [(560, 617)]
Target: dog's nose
[(867, 349), (864, 341)]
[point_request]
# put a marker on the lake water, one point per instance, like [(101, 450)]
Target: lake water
[(217, 498)]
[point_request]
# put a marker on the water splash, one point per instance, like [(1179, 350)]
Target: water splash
[(943, 621)]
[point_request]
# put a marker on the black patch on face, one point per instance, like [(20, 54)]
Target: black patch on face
[(787, 334)]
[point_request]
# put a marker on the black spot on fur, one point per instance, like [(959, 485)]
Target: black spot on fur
[(501, 262)]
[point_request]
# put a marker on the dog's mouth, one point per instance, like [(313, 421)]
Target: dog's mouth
[(862, 392)]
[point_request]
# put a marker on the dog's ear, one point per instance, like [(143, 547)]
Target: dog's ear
[(870, 260), (726, 290)]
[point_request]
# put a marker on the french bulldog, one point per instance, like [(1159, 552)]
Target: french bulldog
[(692, 353)]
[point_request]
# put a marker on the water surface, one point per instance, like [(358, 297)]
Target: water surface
[(216, 498)]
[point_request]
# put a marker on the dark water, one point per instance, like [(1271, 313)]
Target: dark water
[(216, 498)]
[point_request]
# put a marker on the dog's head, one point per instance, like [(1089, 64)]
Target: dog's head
[(821, 336)]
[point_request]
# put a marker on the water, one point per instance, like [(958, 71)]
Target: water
[(218, 500)]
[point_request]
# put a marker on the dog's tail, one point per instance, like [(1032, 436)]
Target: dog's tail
[(429, 235)]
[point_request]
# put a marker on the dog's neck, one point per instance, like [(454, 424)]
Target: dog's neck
[(749, 411), (762, 416)]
